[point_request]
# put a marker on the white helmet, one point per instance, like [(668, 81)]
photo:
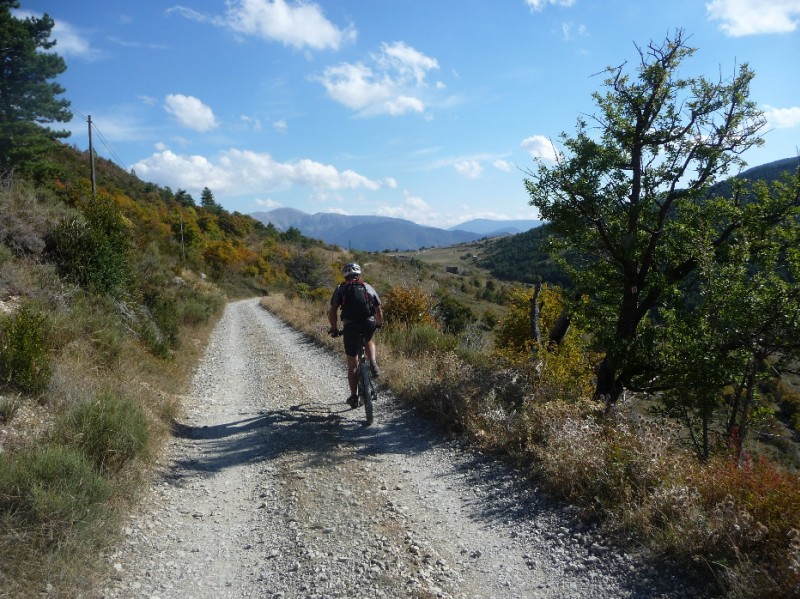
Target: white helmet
[(351, 270)]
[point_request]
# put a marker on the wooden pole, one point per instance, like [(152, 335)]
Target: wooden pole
[(91, 158)]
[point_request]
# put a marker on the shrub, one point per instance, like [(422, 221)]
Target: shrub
[(454, 315), (419, 339), (564, 371), (405, 306), (24, 361), (94, 252), (109, 430), (8, 408), (50, 489), (165, 314), (198, 309)]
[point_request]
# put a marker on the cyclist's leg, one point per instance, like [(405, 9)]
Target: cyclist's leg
[(350, 338), (352, 374), (371, 349), (368, 329)]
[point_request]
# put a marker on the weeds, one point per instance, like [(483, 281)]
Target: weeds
[(24, 359), (110, 431), (9, 406), (50, 490)]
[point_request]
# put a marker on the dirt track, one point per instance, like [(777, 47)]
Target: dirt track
[(273, 487)]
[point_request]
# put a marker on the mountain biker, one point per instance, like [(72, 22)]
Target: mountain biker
[(361, 315)]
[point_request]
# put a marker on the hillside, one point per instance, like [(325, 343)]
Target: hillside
[(524, 257)]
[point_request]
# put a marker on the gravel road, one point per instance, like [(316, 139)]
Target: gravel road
[(273, 487)]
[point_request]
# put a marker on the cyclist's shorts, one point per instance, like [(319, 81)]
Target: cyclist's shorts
[(353, 331)]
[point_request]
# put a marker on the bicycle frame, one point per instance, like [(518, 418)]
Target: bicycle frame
[(366, 390)]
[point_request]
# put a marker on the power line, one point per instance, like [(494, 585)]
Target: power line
[(108, 147), (116, 159)]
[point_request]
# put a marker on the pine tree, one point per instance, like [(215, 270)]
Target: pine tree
[(28, 97)]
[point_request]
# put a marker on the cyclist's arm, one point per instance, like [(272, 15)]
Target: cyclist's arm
[(333, 316), (379, 315)]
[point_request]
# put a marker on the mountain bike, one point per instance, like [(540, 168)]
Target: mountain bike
[(366, 390), (367, 393)]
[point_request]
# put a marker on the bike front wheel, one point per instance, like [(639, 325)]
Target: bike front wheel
[(365, 387)]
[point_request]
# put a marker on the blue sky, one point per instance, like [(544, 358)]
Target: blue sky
[(430, 110)]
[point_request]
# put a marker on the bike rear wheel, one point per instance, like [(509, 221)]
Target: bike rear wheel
[(366, 390)]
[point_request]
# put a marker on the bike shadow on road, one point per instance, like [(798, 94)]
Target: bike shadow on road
[(214, 447), (313, 428)]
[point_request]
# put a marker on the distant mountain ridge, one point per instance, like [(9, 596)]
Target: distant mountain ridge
[(495, 228), (379, 233)]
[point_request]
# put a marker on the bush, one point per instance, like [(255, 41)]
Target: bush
[(565, 371), (196, 310), (24, 361), (50, 490), (405, 306), (454, 315), (94, 252), (109, 430), (419, 339), (8, 408)]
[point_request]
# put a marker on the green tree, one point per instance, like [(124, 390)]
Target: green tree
[(616, 200), (742, 326), (28, 97), (208, 202), (184, 198)]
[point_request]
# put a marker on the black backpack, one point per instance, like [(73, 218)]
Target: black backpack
[(357, 303)]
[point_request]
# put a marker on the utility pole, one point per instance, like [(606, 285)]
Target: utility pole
[(91, 157), (183, 247)]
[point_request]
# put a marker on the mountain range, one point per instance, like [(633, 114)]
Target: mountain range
[(379, 233)]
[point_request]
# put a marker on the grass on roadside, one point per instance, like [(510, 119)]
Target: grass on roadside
[(77, 452)]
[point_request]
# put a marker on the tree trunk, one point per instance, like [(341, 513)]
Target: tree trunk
[(560, 328), (746, 403), (610, 384), (608, 388)]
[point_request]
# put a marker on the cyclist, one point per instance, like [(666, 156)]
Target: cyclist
[(361, 315)]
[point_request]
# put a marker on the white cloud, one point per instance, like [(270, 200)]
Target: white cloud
[(538, 146), (391, 83), (250, 123), (413, 208), (280, 125), (268, 203), (190, 112), (570, 30), (300, 24), (471, 169), (782, 118), (539, 5), (502, 165), (69, 42), (406, 61), (240, 172), (749, 17)]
